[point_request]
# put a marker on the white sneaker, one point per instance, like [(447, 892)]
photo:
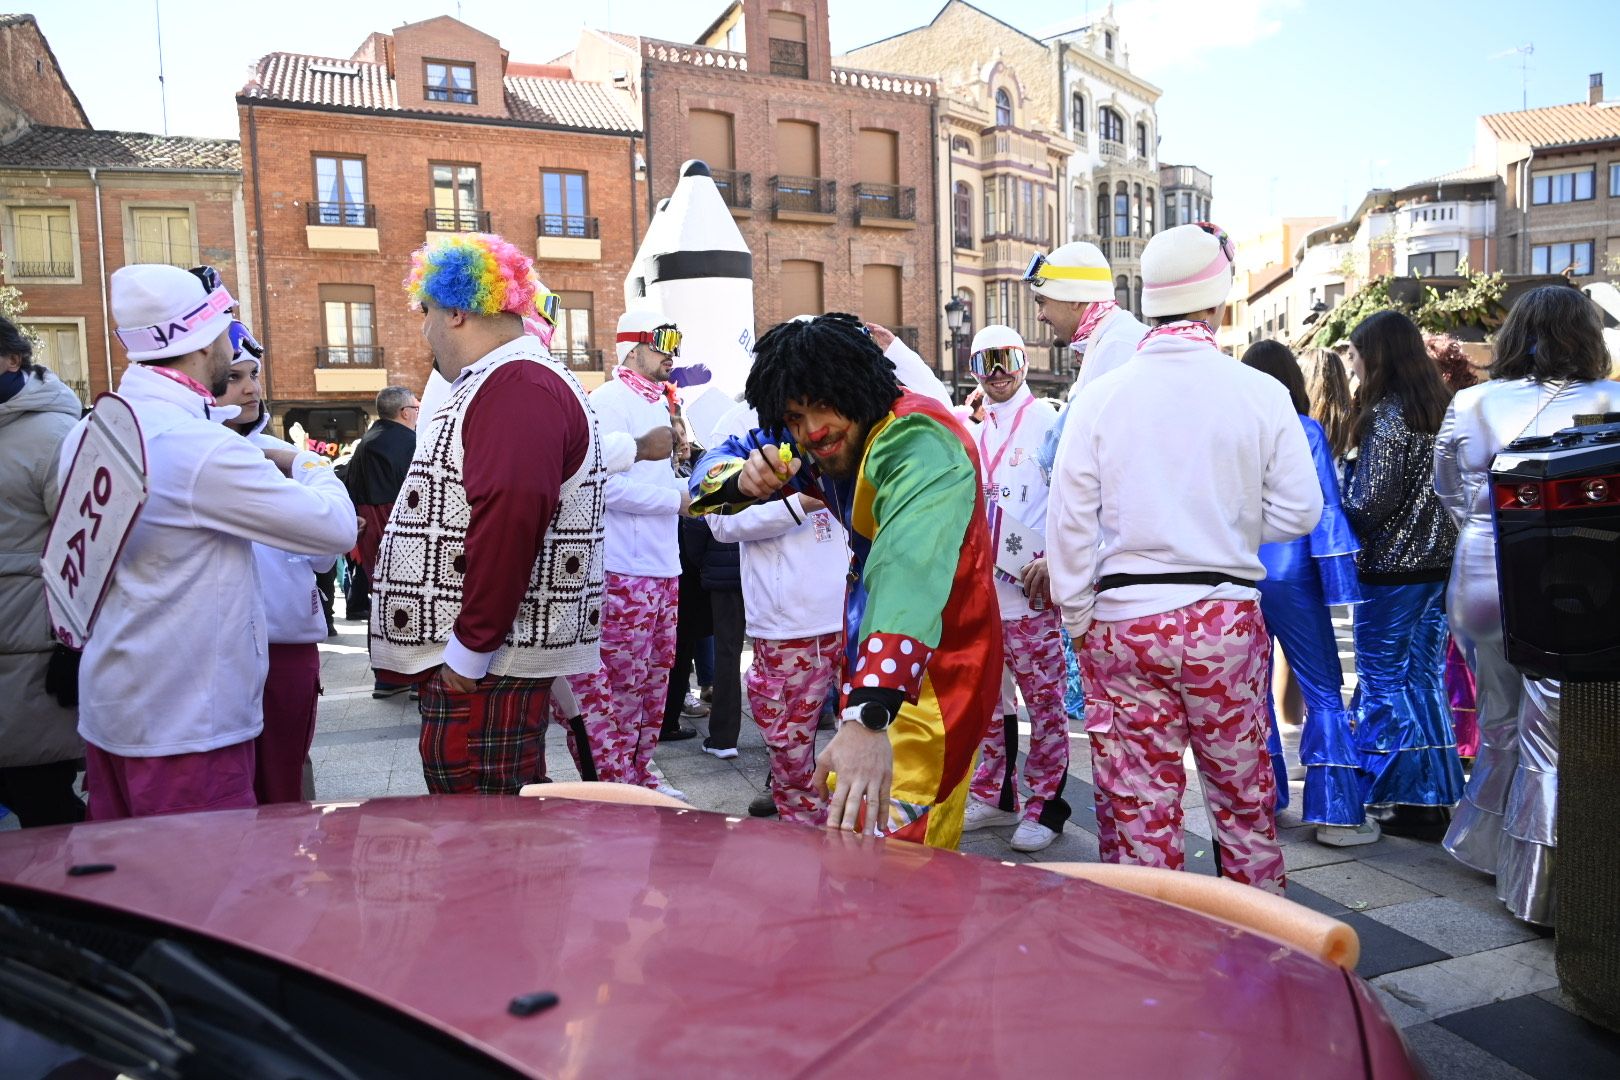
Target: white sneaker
[(981, 815), (724, 753), (1367, 832), (665, 788), (694, 706), (1032, 836)]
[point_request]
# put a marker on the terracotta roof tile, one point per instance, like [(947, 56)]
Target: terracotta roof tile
[(79, 148), (1557, 125), (354, 84), (566, 102)]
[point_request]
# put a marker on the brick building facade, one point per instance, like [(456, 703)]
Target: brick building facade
[(351, 164), (828, 171), (76, 204), (1557, 175)]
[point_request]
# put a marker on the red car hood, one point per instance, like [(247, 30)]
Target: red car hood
[(681, 941)]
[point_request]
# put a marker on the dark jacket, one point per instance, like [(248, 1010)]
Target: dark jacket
[(722, 565), (377, 468)]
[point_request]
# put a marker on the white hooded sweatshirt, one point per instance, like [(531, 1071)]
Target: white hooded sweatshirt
[(177, 661), (1182, 460)]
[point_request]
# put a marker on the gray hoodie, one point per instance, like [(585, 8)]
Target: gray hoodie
[(34, 730)]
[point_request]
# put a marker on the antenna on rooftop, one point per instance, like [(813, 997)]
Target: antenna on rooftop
[(1524, 52), (163, 91)]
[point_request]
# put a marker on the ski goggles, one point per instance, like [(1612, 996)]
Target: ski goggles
[(1040, 271), (242, 340), (1220, 235), (546, 305), (1003, 358), (663, 339)]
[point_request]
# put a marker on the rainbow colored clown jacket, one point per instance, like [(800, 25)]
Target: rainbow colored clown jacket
[(921, 619)]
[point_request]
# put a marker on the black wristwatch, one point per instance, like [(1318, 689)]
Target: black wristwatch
[(872, 716)]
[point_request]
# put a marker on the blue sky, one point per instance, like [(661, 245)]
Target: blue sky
[(1296, 106)]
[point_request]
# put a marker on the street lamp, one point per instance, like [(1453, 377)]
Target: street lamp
[(955, 313)]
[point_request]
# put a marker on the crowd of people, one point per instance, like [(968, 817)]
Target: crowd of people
[(1149, 557)]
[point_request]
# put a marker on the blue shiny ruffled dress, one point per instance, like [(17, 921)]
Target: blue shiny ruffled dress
[(1304, 578)]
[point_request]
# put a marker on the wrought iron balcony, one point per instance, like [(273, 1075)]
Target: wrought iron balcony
[(579, 359), (34, 268), (963, 238), (736, 188), (790, 58), (357, 215), (885, 202), (438, 219), (348, 356), (803, 195), (907, 334), (570, 226)]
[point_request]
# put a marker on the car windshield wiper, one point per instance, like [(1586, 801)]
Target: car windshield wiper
[(168, 1015), (82, 1000)]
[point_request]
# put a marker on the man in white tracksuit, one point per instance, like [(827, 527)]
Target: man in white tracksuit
[(1172, 472), (1015, 424), (623, 701), (794, 561), (172, 678)]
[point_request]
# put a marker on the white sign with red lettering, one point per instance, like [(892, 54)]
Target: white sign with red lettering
[(100, 500)]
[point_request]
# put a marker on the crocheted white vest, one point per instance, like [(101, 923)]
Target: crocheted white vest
[(417, 592)]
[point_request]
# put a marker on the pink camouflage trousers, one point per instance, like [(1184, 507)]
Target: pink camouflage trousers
[(1155, 685), (1033, 649), (623, 700), (787, 683)]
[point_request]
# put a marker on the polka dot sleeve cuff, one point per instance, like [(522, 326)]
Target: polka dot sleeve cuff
[(891, 662)]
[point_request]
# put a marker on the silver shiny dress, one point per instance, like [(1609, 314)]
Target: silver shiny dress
[(1505, 824)]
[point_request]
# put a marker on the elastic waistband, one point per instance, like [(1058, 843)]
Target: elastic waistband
[(1120, 581)]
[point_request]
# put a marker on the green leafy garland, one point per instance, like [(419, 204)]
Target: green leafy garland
[(1478, 302)]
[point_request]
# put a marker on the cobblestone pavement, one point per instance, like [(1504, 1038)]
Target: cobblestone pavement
[(1473, 988)]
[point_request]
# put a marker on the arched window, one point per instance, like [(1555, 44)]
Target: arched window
[(1136, 210), (1141, 140), (1102, 212), (1077, 112), (1110, 125), (961, 143), (1136, 289), (1147, 213), (962, 214), (1122, 210), (1003, 109), (1122, 291)]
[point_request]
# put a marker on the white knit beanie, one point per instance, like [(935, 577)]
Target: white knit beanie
[(1186, 269), (1075, 273), (163, 311)]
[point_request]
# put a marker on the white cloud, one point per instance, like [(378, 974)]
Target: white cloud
[(1195, 33)]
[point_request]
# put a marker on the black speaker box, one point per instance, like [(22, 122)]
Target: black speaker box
[(1557, 500)]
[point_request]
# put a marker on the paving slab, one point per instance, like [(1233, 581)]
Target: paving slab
[(1539, 1038), (1454, 927), (1384, 949), (1447, 1055), (1359, 886), (1467, 982)]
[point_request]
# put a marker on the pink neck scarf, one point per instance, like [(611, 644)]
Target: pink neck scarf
[(1092, 319), (184, 380), (1184, 328), (635, 380)]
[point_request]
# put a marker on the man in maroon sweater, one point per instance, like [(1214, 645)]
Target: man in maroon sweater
[(489, 575)]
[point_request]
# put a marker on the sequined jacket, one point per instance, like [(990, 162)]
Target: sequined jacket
[(1406, 535)]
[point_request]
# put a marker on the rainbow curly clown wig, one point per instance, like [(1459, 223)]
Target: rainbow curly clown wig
[(475, 272)]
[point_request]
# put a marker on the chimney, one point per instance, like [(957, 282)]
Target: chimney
[(1594, 88)]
